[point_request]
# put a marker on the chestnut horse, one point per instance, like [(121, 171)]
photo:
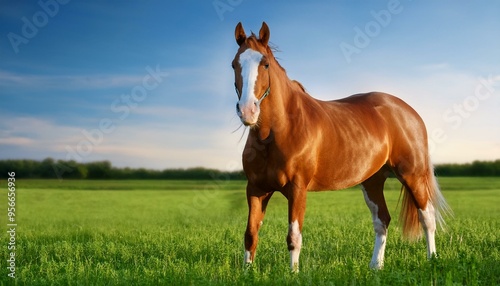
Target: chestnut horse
[(297, 144)]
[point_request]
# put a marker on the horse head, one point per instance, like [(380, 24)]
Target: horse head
[(251, 66)]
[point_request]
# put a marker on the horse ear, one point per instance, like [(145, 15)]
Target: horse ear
[(264, 34), (239, 34)]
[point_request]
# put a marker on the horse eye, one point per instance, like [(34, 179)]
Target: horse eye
[(232, 65), (266, 66)]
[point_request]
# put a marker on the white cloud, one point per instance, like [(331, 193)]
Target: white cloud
[(17, 141), (73, 82), (460, 150), (35, 133), (177, 146), (150, 146)]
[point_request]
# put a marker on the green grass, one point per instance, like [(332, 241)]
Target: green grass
[(191, 233)]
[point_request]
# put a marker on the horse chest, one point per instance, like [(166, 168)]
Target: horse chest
[(271, 166)]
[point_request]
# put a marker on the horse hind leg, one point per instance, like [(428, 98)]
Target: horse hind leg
[(417, 209), (427, 218), (375, 200), (422, 203)]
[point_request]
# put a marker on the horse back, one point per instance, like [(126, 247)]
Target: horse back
[(363, 133)]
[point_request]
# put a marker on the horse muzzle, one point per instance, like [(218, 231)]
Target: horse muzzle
[(248, 113)]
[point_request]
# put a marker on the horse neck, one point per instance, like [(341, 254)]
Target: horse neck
[(279, 113)]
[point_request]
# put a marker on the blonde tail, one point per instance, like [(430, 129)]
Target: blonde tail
[(408, 217)]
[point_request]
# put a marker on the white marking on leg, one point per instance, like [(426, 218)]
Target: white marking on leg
[(247, 258), (377, 261), (296, 242), (428, 219)]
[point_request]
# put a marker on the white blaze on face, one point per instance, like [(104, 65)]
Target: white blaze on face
[(249, 61)]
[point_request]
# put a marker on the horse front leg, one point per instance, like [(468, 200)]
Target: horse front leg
[(296, 212), (257, 203)]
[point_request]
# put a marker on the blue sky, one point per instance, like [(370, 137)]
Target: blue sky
[(149, 83)]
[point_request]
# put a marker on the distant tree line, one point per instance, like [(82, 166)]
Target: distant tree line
[(474, 169), (52, 169)]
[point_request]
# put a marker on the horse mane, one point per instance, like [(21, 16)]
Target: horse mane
[(300, 85), (271, 49)]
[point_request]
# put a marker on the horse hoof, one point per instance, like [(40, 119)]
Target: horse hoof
[(376, 266)]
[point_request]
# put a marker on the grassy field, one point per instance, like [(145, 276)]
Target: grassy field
[(191, 233)]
